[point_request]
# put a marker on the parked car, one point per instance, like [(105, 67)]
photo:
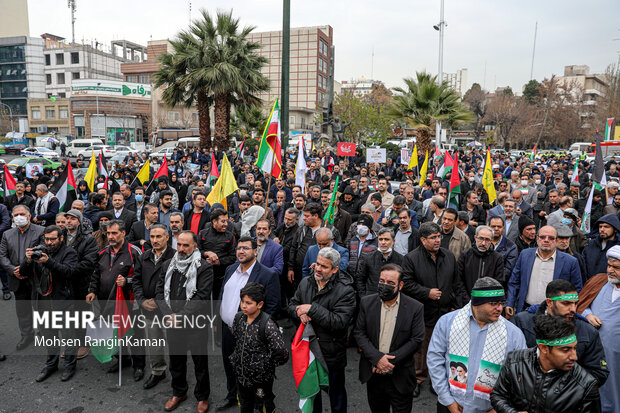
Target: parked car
[(167, 152), (46, 163), (108, 151), (124, 150), (40, 152), (14, 149)]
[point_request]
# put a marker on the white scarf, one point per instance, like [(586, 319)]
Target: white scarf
[(493, 354), (44, 202), (250, 218), (189, 266)]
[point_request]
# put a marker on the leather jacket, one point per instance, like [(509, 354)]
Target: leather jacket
[(523, 386)]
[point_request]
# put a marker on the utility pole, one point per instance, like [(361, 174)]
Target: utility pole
[(533, 52), (440, 28), (284, 87), (72, 6)]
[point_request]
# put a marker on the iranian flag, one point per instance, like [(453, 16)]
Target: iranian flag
[(213, 173), (108, 333), (455, 182), (575, 177), (270, 149), (8, 187), (64, 189), (309, 368)]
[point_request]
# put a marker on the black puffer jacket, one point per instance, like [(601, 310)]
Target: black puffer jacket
[(331, 313), (522, 386), (474, 264), (88, 254)]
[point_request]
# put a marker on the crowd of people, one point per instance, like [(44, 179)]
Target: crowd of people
[(419, 281)]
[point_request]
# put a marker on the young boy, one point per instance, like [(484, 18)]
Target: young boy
[(258, 350)]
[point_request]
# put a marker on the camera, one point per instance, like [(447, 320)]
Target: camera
[(38, 251)]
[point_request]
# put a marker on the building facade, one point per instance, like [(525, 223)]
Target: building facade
[(310, 50), (49, 116), (458, 81), (594, 87), (359, 87)]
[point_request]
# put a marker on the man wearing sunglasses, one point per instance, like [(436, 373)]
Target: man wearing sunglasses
[(536, 268)]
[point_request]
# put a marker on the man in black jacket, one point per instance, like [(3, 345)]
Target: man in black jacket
[(481, 260), (217, 245), (147, 272), (562, 301), (20, 197), (546, 378), (388, 343), (430, 276), (284, 234), (183, 290), (139, 234), (371, 263), (476, 214), (51, 274), (327, 300), (303, 239)]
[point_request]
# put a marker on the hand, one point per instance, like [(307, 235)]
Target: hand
[(434, 294), (472, 223), (303, 309), (44, 258), (29, 254), (519, 211), (383, 365), (492, 411), (509, 312), (142, 241), (149, 305), (313, 266), (276, 239), (542, 214), (384, 221), (171, 321), (305, 319), (594, 320), (291, 276), (455, 408), (17, 274), (121, 281), (90, 298)]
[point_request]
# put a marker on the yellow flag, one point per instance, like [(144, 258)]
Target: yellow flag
[(225, 185), (413, 162), (423, 170), (91, 173), (144, 173), (487, 179)]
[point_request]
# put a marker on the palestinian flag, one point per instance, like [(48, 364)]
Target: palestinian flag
[(608, 125), (110, 332), (309, 368), (533, 154), (213, 173), (331, 209), (102, 169), (163, 169), (455, 182), (270, 149), (599, 182), (445, 169), (241, 150), (64, 188), (8, 186)]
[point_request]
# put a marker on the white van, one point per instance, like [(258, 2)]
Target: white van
[(77, 145), (578, 148), (191, 142)]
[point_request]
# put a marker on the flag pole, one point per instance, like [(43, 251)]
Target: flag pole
[(273, 158), (120, 364)]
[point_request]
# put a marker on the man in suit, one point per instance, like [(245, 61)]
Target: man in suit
[(324, 238), (511, 219), (247, 269), (521, 204), (270, 253), (122, 213), (45, 208), (139, 234), (389, 329), (197, 218), (537, 267), (499, 209), (138, 205), (146, 275)]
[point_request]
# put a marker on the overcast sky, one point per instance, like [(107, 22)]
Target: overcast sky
[(498, 33)]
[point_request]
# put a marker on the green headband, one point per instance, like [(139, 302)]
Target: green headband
[(487, 293), (571, 296), (556, 342)]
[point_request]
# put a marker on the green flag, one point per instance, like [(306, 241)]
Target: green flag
[(331, 209)]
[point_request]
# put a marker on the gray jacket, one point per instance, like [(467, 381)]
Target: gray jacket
[(13, 249)]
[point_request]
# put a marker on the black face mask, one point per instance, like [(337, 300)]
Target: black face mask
[(386, 292)]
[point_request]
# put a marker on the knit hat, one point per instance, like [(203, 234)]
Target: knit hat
[(524, 222), (366, 220), (75, 213)]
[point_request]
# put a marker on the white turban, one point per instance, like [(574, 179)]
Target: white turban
[(614, 253)]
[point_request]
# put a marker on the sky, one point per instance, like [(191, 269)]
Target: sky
[(492, 37)]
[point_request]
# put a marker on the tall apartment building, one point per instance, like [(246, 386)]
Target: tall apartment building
[(458, 80), (593, 86), (66, 62), (309, 68)]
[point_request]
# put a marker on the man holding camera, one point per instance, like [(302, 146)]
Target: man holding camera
[(50, 266)]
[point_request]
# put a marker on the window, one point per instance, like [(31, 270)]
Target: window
[(323, 48), (62, 95), (60, 78), (14, 90), (48, 79), (143, 79), (75, 75), (9, 54), (172, 116), (15, 71), (132, 79), (194, 117), (75, 57), (63, 112), (48, 60), (50, 112), (79, 131), (36, 112), (60, 58)]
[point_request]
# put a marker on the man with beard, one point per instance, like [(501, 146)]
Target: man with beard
[(502, 245), (594, 253), (546, 378), (258, 198), (371, 263), (50, 273), (561, 301), (324, 239), (564, 240), (599, 303), (248, 269), (478, 339), (481, 260), (270, 253), (527, 234), (217, 245), (284, 235), (184, 291), (176, 227)]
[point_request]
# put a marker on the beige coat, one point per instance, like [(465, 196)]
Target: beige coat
[(458, 243)]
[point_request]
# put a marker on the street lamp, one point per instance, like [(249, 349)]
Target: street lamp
[(10, 115), (440, 27)]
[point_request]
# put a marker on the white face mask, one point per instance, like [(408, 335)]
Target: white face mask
[(471, 179), (243, 192), (387, 251), (362, 230), (523, 182), (20, 221), (537, 182)]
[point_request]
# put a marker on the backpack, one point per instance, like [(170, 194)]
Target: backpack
[(262, 324)]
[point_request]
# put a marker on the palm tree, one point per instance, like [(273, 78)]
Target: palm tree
[(423, 102), (246, 120)]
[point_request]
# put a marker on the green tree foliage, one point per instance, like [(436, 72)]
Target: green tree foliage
[(531, 92)]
